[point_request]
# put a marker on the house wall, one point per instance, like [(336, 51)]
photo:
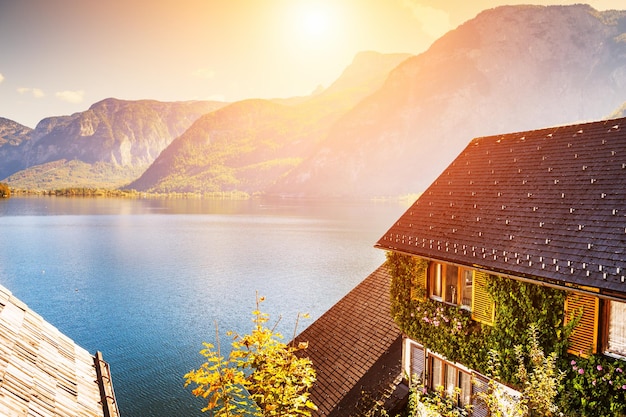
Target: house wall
[(417, 363), (569, 320)]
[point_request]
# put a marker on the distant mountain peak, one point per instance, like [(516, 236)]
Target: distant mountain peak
[(512, 68), (366, 67)]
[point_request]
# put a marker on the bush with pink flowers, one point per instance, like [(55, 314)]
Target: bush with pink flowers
[(595, 386)]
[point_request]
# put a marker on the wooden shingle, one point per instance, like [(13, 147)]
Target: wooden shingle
[(42, 371), (352, 340)]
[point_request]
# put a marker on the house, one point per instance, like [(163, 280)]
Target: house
[(543, 209), (44, 373), (355, 348)]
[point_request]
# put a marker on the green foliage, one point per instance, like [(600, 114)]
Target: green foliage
[(450, 330), (518, 306), (423, 403), (445, 329), (539, 379), (594, 386), (5, 191), (497, 398), (278, 380), (74, 174)]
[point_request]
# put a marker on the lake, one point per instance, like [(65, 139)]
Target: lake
[(145, 280)]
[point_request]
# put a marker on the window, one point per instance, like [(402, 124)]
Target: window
[(436, 369), (617, 328), (458, 385), (467, 282), (436, 279), (414, 360), (451, 284), (465, 384), (451, 380), (456, 382)]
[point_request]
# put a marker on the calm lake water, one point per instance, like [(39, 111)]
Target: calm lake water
[(143, 281)]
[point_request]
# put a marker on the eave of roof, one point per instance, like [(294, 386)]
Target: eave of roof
[(548, 204), (42, 371)]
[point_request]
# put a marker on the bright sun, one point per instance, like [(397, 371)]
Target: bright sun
[(315, 21)]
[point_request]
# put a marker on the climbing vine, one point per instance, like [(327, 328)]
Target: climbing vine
[(445, 329), (594, 386), (450, 330), (518, 306)]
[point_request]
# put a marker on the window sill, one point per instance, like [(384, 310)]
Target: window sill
[(614, 355)]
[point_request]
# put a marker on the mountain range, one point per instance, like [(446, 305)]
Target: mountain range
[(386, 127), (108, 145)]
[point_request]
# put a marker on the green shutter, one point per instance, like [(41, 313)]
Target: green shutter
[(584, 338), (483, 308)]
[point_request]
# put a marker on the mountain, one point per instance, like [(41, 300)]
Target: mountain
[(511, 68), (621, 112), (248, 145), (12, 136), (242, 147), (366, 73), (108, 145)]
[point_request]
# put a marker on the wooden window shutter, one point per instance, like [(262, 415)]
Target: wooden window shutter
[(418, 361), (483, 308), (480, 385), (421, 274), (584, 338), (419, 280)]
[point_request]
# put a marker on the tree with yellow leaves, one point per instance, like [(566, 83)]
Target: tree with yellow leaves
[(262, 376)]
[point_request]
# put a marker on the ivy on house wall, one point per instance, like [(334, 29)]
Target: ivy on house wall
[(450, 331), (518, 306), (447, 330), (593, 386)]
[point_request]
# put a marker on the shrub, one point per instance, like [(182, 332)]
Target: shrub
[(277, 379), (5, 191), (595, 386)]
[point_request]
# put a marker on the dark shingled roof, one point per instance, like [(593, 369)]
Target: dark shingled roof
[(355, 347), (547, 204)]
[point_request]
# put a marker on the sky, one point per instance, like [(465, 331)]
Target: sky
[(58, 57)]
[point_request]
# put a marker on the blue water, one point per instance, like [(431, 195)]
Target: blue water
[(144, 281)]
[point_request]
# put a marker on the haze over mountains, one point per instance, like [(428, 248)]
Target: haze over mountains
[(387, 127), (108, 145)]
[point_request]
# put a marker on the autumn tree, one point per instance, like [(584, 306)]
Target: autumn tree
[(259, 367), (5, 191)]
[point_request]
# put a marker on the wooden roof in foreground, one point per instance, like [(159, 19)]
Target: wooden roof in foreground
[(43, 372), (355, 347), (547, 204)]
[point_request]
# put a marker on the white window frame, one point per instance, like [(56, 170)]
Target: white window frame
[(616, 327)]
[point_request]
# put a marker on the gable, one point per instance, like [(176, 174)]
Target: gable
[(547, 204)]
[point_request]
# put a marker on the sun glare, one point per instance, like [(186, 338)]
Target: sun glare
[(315, 21)]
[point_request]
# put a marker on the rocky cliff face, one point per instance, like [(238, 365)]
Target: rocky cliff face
[(125, 135), (387, 127), (12, 136), (621, 112), (511, 68)]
